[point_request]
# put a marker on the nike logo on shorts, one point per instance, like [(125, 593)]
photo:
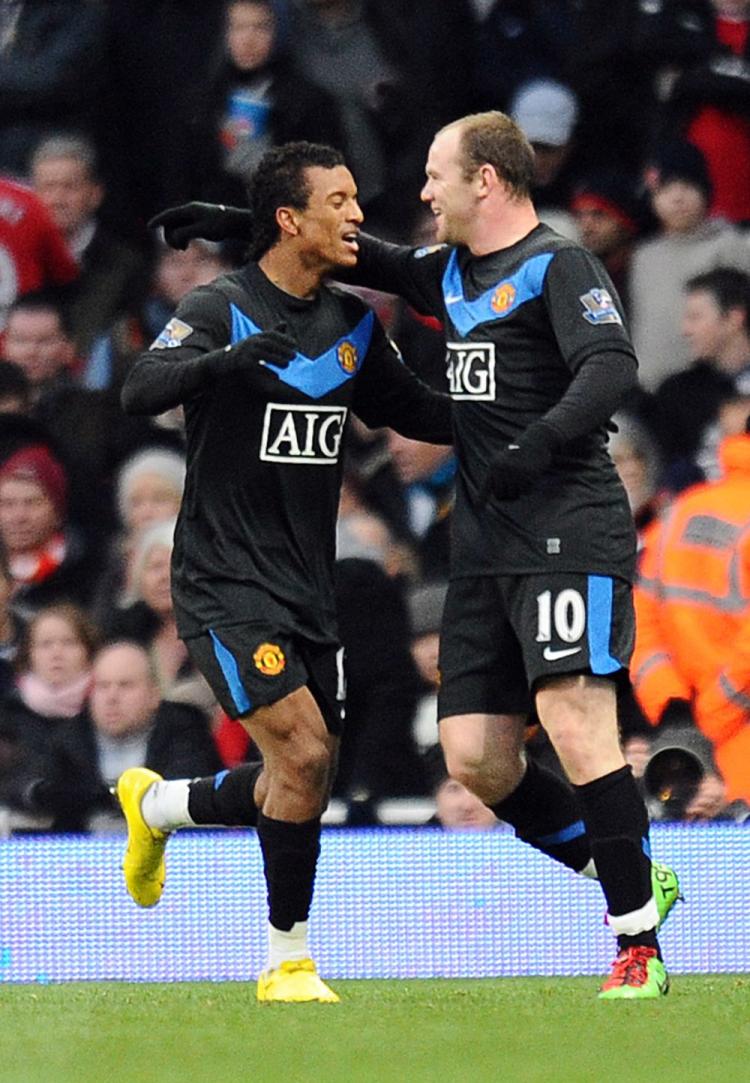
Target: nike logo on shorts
[(551, 655)]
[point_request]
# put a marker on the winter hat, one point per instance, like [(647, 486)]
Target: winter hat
[(36, 463), (610, 192), (546, 111)]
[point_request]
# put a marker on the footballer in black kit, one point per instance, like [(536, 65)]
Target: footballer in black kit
[(534, 329), (252, 571), (267, 363)]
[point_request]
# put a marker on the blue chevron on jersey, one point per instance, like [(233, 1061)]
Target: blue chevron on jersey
[(496, 303), (316, 376)]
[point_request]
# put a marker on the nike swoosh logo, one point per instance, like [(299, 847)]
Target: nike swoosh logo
[(552, 656), (453, 300)]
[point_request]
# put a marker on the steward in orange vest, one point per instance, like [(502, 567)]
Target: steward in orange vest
[(692, 603)]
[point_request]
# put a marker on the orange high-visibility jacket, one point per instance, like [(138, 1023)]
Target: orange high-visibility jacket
[(692, 603)]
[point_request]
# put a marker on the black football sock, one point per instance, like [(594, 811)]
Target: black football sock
[(226, 798), (617, 825), (544, 812), (290, 856)]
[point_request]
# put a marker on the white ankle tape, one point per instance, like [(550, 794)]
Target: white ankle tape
[(637, 921)]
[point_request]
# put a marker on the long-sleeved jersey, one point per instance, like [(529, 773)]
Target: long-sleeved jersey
[(264, 446), (534, 331)]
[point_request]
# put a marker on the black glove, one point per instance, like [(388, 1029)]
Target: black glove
[(205, 221), (273, 347), (515, 469)]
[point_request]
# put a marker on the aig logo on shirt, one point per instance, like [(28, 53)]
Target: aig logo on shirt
[(471, 370), (302, 434)]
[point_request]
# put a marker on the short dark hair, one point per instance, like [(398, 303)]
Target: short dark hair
[(280, 181), (493, 138), (729, 287), (42, 301)]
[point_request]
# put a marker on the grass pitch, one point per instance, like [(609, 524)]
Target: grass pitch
[(519, 1030)]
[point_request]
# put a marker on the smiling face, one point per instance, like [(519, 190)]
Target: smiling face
[(449, 195), (327, 229)]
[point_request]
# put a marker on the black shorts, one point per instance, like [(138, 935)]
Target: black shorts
[(252, 665), (501, 635)]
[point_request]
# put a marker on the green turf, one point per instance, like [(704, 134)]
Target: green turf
[(511, 1031)]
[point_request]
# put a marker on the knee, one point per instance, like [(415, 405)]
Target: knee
[(308, 765), (490, 779)]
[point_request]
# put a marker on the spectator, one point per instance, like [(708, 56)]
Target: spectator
[(262, 99), (126, 723), (692, 649), (64, 175), (148, 490), (547, 112), (47, 556), (636, 457), (458, 809), (86, 429), (174, 275), (147, 616), (38, 340), (35, 255), (608, 218), (52, 69), (687, 243), (689, 405), (54, 675), (709, 105), (614, 55)]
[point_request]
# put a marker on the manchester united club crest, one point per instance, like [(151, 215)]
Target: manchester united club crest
[(269, 659), (347, 355), (503, 297)]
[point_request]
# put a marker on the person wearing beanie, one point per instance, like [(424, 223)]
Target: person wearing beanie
[(46, 556), (688, 242), (609, 218)]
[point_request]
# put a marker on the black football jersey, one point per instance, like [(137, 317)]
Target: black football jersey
[(264, 446), (519, 324)]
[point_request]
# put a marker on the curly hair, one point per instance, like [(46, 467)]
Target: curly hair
[(280, 181)]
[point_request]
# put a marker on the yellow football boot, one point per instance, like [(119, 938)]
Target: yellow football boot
[(294, 982), (144, 865)]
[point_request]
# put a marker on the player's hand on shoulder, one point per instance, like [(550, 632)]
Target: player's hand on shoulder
[(516, 468), (204, 221), (275, 347)]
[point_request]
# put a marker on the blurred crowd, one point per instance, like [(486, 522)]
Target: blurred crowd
[(112, 110)]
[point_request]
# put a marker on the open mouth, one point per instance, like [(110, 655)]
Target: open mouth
[(351, 241)]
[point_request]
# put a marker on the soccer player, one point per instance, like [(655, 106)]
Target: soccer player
[(539, 610), (267, 363)]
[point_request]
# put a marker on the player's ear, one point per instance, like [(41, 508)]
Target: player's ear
[(287, 220)]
